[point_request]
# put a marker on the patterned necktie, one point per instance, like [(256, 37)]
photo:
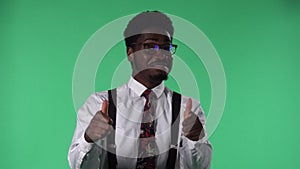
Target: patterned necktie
[(147, 146)]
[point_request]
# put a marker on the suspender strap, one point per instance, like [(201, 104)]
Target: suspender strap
[(176, 102), (112, 102), (111, 153)]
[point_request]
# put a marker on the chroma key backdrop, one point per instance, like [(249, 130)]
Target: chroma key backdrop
[(241, 59)]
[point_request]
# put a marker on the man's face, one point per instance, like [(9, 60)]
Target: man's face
[(151, 57)]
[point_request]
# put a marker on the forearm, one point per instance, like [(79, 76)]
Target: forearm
[(78, 150), (92, 159), (195, 154)]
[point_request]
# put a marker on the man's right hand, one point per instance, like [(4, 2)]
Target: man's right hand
[(99, 125)]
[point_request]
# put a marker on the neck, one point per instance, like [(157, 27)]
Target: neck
[(149, 83)]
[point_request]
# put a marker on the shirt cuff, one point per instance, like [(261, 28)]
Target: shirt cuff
[(84, 145), (191, 144)]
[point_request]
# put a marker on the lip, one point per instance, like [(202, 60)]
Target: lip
[(159, 65)]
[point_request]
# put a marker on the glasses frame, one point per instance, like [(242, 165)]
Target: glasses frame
[(142, 43)]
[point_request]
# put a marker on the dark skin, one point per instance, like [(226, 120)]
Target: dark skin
[(192, 127), (149, 71)]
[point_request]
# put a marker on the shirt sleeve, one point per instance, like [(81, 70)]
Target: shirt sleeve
[(79, 147), (195, 154)]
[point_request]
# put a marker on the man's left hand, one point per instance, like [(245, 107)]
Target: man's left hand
[(192, 127)]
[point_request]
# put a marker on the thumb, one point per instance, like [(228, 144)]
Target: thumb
[(104, 107), (188, 108), (105, 112)]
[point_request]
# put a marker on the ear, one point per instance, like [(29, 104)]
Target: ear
[(130, 53)]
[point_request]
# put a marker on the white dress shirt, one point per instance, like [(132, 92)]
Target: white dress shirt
[(130, 104)]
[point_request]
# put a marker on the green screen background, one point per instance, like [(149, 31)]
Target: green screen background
[(257, 41)]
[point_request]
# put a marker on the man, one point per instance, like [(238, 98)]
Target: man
[(142, 124)]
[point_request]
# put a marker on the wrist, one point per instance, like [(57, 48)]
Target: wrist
[(87, 138)]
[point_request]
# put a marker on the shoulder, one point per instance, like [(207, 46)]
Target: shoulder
[(196, 106), (99, 97), (93, 103), (184, 98), (103, 95)]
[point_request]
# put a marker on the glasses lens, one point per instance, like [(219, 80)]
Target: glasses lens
[(152, 47), (167, 47)]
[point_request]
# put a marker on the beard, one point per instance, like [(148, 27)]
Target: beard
[(159, 76)]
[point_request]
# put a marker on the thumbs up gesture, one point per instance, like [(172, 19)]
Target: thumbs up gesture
[(192, 127), (99, 125)]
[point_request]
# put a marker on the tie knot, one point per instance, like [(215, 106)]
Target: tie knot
[(146, 93)]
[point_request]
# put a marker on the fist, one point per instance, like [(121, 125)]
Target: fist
[(99, 125), (192, 127)]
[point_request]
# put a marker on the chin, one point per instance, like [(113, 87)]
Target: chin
[(158, 75)]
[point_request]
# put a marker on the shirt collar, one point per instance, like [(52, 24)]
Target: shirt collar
[(139, 88)]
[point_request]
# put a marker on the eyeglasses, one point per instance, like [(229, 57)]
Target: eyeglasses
[(153, 47)]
